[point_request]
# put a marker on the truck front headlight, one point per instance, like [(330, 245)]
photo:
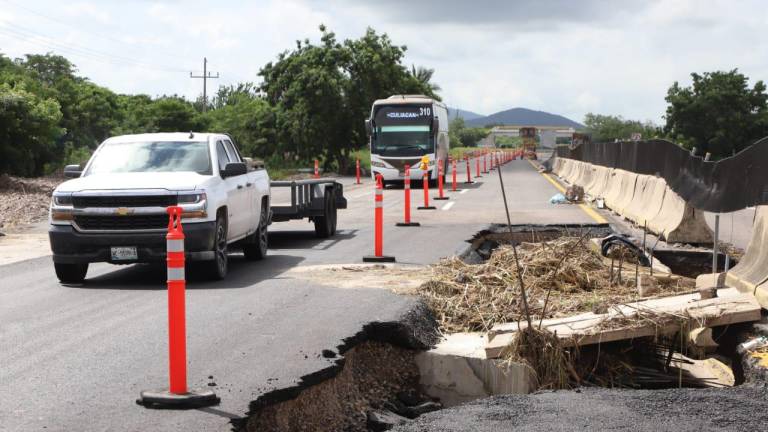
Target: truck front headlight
[(191, 198), (62, 199), (194, 205), (61, 207)]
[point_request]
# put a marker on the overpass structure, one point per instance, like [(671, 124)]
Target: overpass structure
[(547, 134)]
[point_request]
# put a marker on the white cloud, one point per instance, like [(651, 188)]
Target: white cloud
[(565, 57)]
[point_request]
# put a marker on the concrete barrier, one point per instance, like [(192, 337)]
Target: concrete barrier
[(567, 171), (641, 199), (649, 198), (677, 222), (586, 175), (557, 167), (751, 273), (599, 184), (628, 182), (613, 188)]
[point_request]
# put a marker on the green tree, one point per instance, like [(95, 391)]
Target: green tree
[(135, 114), (323, 93), (174, 114), (424, 77), (247, 117), (462, 136), (89, 112), (609, 128), (719, 113), (306, 87), (28, 130)]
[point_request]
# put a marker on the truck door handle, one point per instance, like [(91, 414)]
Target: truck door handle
[(248, 184), (239, 186)]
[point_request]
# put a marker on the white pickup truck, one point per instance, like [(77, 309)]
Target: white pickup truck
[(115, 211)]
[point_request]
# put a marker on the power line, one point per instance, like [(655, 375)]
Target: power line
[(80, 29), (205, 76), (31, 36)]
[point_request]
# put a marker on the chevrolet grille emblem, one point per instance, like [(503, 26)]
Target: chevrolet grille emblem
[(123, 211)]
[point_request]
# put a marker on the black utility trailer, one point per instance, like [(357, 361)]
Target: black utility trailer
[(316, 199)]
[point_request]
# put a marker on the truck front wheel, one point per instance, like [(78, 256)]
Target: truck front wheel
[(71, 273), (220, 263), (256, 247)]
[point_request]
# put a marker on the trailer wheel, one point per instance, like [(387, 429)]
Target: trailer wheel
[(325, 225)]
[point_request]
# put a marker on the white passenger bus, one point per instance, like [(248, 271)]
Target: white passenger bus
[(402, 130)]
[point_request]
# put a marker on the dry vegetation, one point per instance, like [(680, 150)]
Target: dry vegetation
[(474, 297), (25, 200)]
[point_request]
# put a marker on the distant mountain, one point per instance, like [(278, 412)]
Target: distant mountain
[(524, 117), (466, 115)]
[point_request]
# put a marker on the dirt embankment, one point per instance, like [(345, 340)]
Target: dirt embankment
[(24, 200)]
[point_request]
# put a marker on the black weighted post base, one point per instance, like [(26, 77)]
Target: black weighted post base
[(195, 398), (378, 259)]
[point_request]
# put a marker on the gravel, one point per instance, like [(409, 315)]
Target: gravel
[(733, 409)]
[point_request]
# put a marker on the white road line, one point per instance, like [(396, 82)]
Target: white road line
[(448, 206), (361, 195), (463, 191)]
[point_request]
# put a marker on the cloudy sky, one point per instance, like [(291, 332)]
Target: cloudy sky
[(562, 56)]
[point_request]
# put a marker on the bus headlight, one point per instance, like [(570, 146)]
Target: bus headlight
[(378, 164)]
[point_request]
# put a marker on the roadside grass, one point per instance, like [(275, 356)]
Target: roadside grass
[(458, 152)]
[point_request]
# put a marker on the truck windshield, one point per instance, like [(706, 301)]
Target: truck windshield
[(413, 140), (150, 156)]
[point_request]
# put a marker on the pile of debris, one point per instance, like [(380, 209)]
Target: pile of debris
[(25, 200), (565, 275), (587, 322)]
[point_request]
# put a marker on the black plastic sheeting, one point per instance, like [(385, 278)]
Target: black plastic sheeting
[(727, 185)]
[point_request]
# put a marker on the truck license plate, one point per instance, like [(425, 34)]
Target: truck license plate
[(125, 253)]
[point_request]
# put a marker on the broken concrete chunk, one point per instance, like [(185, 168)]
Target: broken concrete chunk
[(700, 342), (381, 420), (457, 371), (646, 285)]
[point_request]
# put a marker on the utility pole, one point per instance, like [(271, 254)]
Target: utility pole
[(205, 76)]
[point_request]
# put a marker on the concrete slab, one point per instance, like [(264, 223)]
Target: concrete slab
[(457, 371)]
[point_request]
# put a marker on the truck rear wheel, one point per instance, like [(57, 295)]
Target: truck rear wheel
[(256, 247), (325, 225), (71, 273), (218, 267)]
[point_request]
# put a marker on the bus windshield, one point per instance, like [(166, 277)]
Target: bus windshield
[(414, 140)]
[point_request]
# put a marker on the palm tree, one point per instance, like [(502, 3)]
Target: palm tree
[(424, 76)]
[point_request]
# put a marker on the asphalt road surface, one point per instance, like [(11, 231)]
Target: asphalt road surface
[(76, 357)]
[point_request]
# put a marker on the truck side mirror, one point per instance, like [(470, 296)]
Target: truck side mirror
[(435, 123), (368, 127), (72, 171), (233, 169)]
